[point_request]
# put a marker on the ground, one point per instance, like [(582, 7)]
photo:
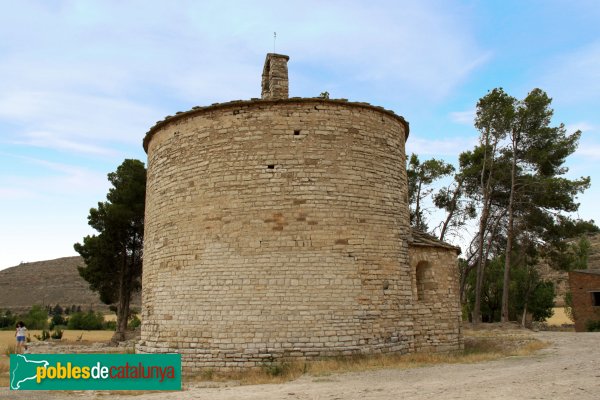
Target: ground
[(569, 367)]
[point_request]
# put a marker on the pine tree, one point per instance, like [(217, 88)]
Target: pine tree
[(113, 258)]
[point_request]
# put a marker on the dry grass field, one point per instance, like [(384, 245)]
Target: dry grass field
[(559, 318), (7, 338), (4, 370), (7, 345)]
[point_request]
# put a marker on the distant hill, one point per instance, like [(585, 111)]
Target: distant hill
[(594, 256), (48, 282)]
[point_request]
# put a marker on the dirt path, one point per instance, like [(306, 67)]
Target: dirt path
[(568, 369)]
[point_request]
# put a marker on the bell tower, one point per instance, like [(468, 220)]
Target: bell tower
[(275, 77)]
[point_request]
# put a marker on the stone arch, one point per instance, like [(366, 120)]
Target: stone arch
[(425, 280)]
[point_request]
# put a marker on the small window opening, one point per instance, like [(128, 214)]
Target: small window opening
[(297, 133), (596, 299), (271, 166)]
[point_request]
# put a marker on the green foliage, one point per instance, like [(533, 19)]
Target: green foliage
[(421, 176), (88, 321), (57, 334), (459, 209), (36, 318), (110, 325), (570, 255), (57, 319), (44, 336), (113, 258), (516, 176), (57, 310), (134, 322), (494, 114), (73, 308), (275, 368), (491, 291), (569, 310), (7, 319), (527, 289), (592, 326)]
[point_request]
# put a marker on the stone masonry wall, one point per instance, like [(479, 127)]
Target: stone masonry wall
[(278, 229), (275, 84), (437, 314)]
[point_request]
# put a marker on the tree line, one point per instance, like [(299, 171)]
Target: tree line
[(512, 191), (54, 318)]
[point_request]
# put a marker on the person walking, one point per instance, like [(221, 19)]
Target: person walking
[(20, 334)]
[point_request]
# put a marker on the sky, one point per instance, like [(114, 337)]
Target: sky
[(81, 82)]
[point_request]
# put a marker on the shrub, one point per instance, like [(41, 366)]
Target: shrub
[(134, 322), (44, 336), (569, 311), (57, 334), (57, 320), (7, 319), (88, 321), (36, 318), (593, 326), (57, 310), (110, 325), (275, 368)]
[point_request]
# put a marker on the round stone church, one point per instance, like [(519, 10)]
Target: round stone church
[(278, 228)]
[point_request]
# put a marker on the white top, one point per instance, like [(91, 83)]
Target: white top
[(21, 331)]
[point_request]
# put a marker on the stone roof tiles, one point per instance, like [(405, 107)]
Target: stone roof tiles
[(255, 101), (419, 238)]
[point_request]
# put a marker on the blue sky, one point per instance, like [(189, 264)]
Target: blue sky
[(82, 81)]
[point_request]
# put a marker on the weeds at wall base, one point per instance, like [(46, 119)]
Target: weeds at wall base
[(278, 371)]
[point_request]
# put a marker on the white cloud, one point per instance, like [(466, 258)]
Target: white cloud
[(451, 147), (84, 78), (584, 127), (7, 193), (574, 76), (590, 151), (589, 146), (52, 180), (51, 141), (463, 117), (415, 48), (75, 123)]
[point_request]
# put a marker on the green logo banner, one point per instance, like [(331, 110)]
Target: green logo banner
[(95, 372)]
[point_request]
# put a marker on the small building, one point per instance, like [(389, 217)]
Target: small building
[(585, 286)]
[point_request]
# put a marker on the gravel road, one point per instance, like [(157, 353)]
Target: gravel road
[(568, 369)]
